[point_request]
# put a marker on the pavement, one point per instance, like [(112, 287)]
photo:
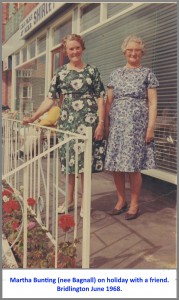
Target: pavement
[(148, 242)]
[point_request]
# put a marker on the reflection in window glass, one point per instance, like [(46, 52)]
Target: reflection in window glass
[(61, 31), (17, 59), (90, 16), (32, 49), (41, 90), (24, 73), (56, 61), (115, 8), (24, 54), (25, 91), (41, 44), (30, 85)]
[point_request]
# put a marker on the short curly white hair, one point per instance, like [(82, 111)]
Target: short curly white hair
[(133, 38)]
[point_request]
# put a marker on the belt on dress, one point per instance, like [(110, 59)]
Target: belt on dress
[(130, 98), (78, 96)]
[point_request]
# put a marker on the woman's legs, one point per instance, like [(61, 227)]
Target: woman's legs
[(82, 188), (71, 187), (119, 180), (82, 191), (135, 186), (82, 183)]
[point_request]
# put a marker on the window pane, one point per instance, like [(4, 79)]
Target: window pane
[(24, 73), (41, 44), (24, 54), (115, 8), (61, 31), (56, 61), (24, 95), (17, 59), (32, 49), (90, 16), (30, 85), (27, 91)]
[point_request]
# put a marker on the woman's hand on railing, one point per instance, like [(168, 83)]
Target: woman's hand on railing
[(27, 120)]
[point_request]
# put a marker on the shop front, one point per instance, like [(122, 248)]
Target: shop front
[(103, 26)]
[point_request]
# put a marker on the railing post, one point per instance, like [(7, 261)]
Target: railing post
[(87, 199), (25, 196)]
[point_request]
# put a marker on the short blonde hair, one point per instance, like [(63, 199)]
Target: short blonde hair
[(133, 38), (72, 37)]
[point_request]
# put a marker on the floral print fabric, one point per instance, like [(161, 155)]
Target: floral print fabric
[(80, 91), (126, 149)]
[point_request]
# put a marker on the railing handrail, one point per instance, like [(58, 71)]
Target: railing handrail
[(36, 158), (79, 136), (73, 135)]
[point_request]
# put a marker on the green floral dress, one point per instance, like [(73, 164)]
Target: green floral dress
[(79, 108)]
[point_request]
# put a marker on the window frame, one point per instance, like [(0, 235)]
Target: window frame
[(29, 92), (84, 6), (103, 15)]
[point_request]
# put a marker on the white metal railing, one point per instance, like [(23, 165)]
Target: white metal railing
[(30, 159)]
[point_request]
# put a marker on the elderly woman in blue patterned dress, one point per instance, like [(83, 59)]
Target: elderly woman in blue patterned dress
[(131, 111), (82, 106)]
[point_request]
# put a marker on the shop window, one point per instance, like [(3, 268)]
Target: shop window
[(116, 8), (166, 139), (17, 59), (32, 49), (24, 54), (41, 44), (30, 84), (90, 16), (61, 31)]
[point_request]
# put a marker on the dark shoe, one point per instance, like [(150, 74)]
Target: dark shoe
[(118, 211), (19, 154), (131, 216)]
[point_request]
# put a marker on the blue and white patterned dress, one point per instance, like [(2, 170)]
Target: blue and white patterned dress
[(127, 150)]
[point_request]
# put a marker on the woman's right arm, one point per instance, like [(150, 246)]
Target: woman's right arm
[(110, 97), (44, 107), (48, 102)]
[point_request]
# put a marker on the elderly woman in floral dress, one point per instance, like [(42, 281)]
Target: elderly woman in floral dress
[(82, 106)]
